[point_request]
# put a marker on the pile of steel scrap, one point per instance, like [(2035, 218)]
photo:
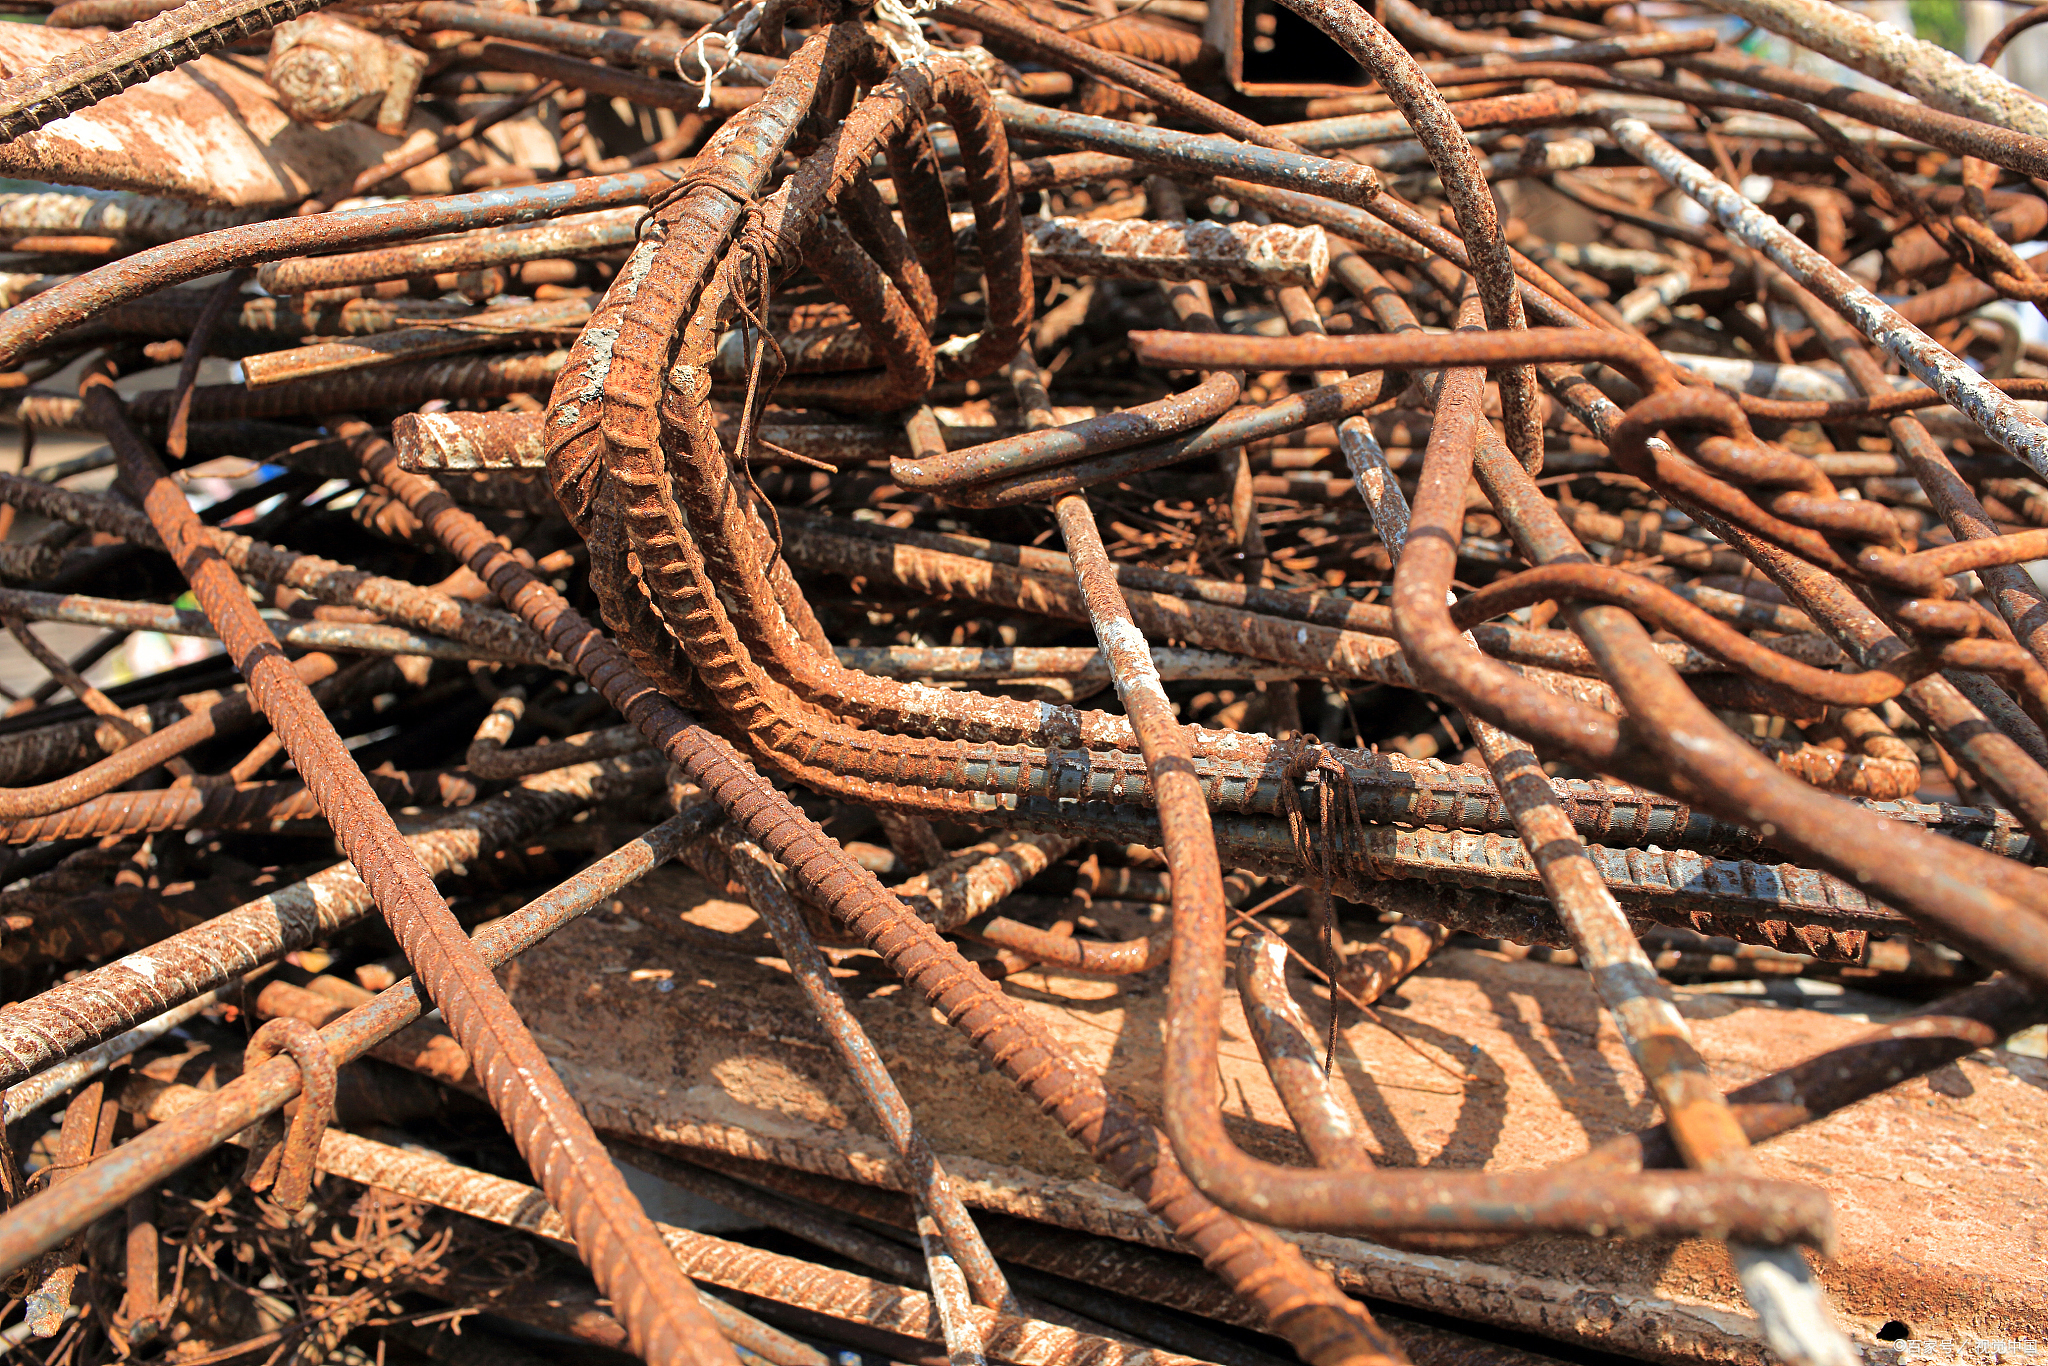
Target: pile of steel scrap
[(1003, 658)]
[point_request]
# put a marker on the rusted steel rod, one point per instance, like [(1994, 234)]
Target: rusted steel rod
[(90, 1008), (959, 1237), (322, 578), (656, 1303), (1778, 1281), (201, 1127), (476, 332), (139, 756), (146, 272), (567, 236), (1344, 181), (241, 806), (2001, 418), (1918, 1042), (1288, 1046), (1297, 1198), (1328, 1327), (626, 47), (1516, 539), (39, 96), (148, 616), (735, 1266), (31, 1094), (1272, 255)]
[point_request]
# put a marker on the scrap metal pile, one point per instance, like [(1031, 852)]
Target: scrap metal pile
[(907, 622)]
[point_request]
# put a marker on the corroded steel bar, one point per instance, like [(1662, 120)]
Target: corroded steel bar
[(735, 1266), (149, 616), (215, 1117), (626, 47), (1287, 1044), (132, 757), (479, 377), (42, 95), (136, 218), (102, 1003), (966, 661), (179, 262), (774, 461), (1269, 256), (1931, 73), (326, 579), (951, 1223), (567, 236), (243, 806), (475, 332), (1346, 181), (1298, 1301), (1541, 109), (27, 1096), (2002, 418)]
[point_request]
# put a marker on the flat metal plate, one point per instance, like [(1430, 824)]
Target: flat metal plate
[(668, 1033)]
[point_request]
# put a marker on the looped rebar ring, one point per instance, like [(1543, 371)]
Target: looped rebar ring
[(286, 1167)]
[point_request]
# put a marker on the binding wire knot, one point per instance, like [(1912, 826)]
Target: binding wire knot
[(1336, 818), (902, 30), (767, 242), (727, 47), (705, 172)]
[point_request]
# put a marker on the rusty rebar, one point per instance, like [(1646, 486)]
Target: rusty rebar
[(203, 1126), (1599, 597)]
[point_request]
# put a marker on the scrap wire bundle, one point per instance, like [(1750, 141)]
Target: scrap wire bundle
[(974, 518)]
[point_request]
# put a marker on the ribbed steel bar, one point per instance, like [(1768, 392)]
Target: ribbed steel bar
[(81, 298), (735, 1266), (80, 80), (1718, 660), (108, 1000), (1387, 1201), (1189, 155), (2002, 418), (1362, 35), (1778, 1281), (325, 579), (215, 1117), (655, 1302), (958, 1240), (171, 621), (1300, 1303), (571, 235)]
